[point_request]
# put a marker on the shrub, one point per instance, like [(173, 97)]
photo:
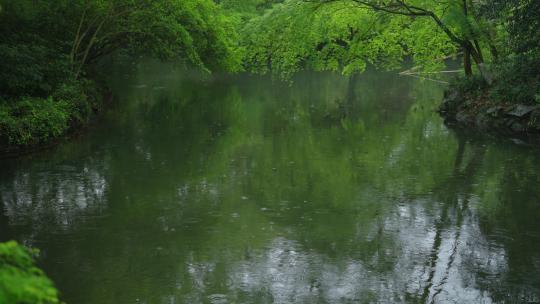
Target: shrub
[(27, 121), (20, 280), (30, 67), (81, 95), (33, 120), (517, 79), (473, 85)]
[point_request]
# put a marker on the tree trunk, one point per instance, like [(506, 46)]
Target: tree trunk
[(467, 62), (482, 68), (479, 50)]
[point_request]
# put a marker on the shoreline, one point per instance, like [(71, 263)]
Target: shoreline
[(481, 113), (75, 129)]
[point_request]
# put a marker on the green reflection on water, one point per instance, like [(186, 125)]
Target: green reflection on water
[(240, 190)]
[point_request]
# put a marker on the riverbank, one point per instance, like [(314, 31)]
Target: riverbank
[(481, 112), (508, 101), (30, 124)]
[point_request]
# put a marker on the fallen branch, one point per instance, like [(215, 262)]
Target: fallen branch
[(425, 78)]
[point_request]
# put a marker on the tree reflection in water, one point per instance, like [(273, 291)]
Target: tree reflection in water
[(327, 191)]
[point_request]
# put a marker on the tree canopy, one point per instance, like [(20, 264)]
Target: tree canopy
[(69, 35), (281, 36), (51, 49), (348, 34)]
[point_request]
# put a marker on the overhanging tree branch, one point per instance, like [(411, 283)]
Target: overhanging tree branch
[(401, 7)]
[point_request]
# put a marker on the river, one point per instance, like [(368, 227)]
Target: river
[(240, 189)]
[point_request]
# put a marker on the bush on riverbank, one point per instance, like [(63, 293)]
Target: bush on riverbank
[(33, 120), (516, 80), (20, 280), (26, 121), (40, 100)]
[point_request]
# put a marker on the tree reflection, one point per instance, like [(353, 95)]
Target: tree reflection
[(322, 192)]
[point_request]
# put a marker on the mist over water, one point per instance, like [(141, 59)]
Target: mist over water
[(240, 189)]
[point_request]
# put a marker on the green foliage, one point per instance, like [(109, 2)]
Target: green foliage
[(339, 35), (516, 76), (28, 120), (29, 65), (247, 9), (20, 280), (473, 86), (32, 120), (517, 80), (194, 31), (427, 45), (49, 50), (33, 62), (83, 96), (81, 32), (524, 24)]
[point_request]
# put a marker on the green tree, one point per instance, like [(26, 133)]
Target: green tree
[(458, 19), (82, 31), (50, 51), (339, 35)]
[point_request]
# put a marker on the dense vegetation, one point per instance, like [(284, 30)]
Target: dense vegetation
[(20, 280), (51, 79), (50, 75), (49, 51), (516, 76), (509, 98)]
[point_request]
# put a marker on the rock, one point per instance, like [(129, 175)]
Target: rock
[(452, 99), (521, 110), (518, 141), (458, 109), (494, 111)]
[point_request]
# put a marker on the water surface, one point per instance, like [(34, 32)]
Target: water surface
[(243, 190)]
